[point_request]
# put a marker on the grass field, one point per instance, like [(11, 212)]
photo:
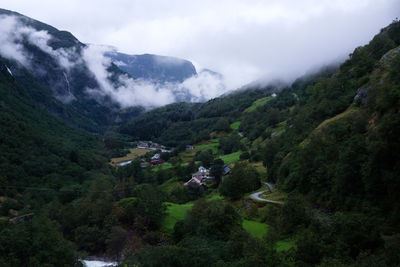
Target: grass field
[(284, 245), (258, 103), (211, 144), (280, 128), (163, 166), (235, 126), (134, 153), (175, 213), (187, 156), (231, 158), (256, 229)]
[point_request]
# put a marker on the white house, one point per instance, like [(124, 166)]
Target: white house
[(155, 157), (200, 177)]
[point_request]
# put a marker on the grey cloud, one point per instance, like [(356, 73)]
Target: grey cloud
[(130, 92), (10, 35), (243, 40), (126, 91), (13, 32)]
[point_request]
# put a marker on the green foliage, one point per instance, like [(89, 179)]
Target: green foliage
[(235, 125), (230, 143), (231, 158), (217, 170), (150, 204), (212, 218), (185, 123), (242, 179), (222, 125), (258, 103), (206, 157), (175, 213), (35, 243), (116, 241), (255, 228), (329, 150)]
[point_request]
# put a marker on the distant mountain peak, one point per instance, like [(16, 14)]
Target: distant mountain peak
[(154, 67)]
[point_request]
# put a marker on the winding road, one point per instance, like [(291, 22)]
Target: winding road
[(256, 196)]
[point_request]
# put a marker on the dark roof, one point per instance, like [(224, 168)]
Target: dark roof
[(226, 170)]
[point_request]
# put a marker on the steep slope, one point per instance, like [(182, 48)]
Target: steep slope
[(185, 123), (34, 144), (42, 57), (332, 137), (95, 81)]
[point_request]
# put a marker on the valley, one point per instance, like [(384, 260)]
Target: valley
[(300, 174)]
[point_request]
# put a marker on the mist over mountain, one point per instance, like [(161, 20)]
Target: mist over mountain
[(144, 160), (78, 73)]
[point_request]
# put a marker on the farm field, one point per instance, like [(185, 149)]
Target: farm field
[(235, 126), (134, 153), (284, 245), (175, 213), (258, 103), (231, 158), (255, 228)]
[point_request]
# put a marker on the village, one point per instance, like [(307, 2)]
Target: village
[(142, 148), (201, 178)]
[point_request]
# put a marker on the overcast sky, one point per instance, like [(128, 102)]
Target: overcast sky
[(244, 40)]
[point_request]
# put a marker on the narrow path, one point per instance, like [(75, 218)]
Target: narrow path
[(256, 196)]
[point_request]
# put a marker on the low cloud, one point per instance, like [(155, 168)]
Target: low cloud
[(126, 91), (204, 86), (131, 92), (10, 38), (244, 40), (13, 32), (123, 89)]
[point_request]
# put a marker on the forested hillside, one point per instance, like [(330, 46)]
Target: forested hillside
[(42, 161), (330, 139), (300, 174)]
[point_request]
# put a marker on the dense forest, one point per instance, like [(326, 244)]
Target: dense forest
[(326, 147)]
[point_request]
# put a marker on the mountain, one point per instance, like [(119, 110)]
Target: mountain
[(51, 63), (90, 86), (160, 69), (328, 142), (331, 135)]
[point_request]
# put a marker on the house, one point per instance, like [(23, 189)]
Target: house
[(226, 170), (142, 144), (152, 146), (202, 170), (155, 157), (200, 177), (156, 162), (189, 147)]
